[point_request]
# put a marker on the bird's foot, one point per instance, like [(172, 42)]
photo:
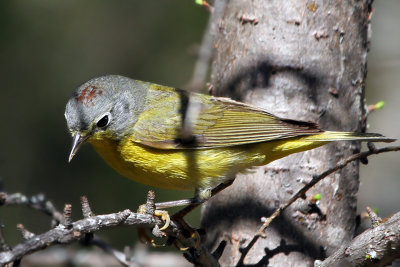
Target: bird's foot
[(150, 208), (144, 209)]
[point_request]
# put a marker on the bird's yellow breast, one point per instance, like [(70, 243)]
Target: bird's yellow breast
[(186, 169), (174, 169)]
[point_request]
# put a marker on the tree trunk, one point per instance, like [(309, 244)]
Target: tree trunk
[(303, 60)]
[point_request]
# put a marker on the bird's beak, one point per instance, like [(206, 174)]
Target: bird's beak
[(77, 142)]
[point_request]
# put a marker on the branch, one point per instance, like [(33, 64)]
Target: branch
[(37, 202), (374, 247), (64, 235), (340, 165), (68, 232)]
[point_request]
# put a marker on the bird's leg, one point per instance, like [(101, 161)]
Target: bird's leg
[(176, 203), (201, 197)]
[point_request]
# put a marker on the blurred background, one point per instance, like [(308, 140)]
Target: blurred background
[(48, 48)]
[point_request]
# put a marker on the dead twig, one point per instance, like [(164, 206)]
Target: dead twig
[(37, 202), (375, 219)]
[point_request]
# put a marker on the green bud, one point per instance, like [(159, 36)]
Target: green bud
[(375, 210), (317, 197), (380, 105)]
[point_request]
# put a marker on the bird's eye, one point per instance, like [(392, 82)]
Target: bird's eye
[(104, 121)]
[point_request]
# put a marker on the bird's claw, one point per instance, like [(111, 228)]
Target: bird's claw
[(165, 217), (162, 213)]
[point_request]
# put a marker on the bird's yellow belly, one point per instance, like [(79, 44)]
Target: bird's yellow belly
[(183, 169), (187, 169)]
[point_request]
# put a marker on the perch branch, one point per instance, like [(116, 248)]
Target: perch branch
[(69, 232)]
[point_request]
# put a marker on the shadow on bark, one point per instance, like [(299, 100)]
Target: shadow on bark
[(239, 213), (258, 75)]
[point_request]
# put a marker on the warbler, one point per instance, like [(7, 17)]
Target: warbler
[(136, 127)]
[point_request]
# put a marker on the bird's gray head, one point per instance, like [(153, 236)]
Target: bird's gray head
[(106, 106)]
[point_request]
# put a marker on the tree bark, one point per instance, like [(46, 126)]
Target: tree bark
[(303, 60)]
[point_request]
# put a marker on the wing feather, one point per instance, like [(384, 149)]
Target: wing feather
[(220, 122)]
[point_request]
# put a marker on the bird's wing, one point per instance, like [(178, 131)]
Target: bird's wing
[(213, 122)]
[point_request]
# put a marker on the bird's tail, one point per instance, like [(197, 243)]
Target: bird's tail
[(348, 136)]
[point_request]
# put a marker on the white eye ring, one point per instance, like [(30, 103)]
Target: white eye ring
[(104, 120)]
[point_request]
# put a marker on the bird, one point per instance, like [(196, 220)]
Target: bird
[(170, 138)]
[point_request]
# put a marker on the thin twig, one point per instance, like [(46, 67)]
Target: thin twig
[(375, 219), (301, 192), (85, 206), (24, 232), (67, 220), (37, 202), (182, 213)]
